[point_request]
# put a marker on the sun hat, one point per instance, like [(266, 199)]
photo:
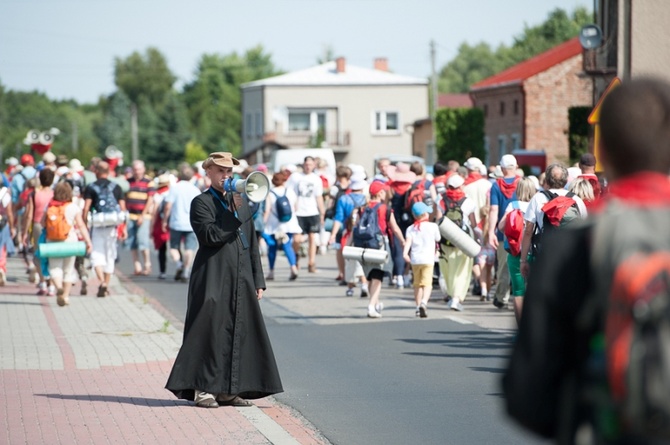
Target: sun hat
[(420, 208), (401, 173), (222, 159)]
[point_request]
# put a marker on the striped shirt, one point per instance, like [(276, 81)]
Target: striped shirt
[(138, 195)]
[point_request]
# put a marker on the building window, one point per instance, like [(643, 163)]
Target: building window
[(386, 122), (516, 141), (502, 149), (502, 108), (516, 107), (259, 124), (298, 121), (248, 125), (306, 121)]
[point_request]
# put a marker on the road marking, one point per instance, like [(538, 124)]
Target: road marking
[(459, 320), (267, 427)]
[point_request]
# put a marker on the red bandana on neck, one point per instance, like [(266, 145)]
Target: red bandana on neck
[(472, 177), (507, 189), (455, 194), (54, 203), (650, 189)]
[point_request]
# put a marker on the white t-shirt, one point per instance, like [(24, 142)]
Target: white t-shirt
[(273, 224), (307, 188), (422, 250), (478, 192), (534, 212)]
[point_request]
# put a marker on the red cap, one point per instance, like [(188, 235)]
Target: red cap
[(376, 187), (27, 159)]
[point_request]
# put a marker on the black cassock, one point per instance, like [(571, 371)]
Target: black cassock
[(226, 349)]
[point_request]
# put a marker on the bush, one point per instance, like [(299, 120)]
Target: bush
[(459, 133)]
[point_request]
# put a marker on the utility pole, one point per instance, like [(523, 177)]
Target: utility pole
[(135, 151), (432, 155), (75, 137)]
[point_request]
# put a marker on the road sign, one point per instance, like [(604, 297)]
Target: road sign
[(594, 119)]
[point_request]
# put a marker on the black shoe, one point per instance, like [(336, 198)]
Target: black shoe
[(498, 304), (177, 276), (477, 289)]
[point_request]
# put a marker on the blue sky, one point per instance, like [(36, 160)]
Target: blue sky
[(66, 48)]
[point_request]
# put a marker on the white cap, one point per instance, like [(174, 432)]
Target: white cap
[(49, 157), (75, 165), (473, 164), (358, 184), (12, 161), (455, 181), (62, 171), (508, 161)]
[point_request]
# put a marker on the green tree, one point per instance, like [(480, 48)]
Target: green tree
[(144, 77), (213, 98), (114, 128), (474, 63), (459, 134), (194, 153)]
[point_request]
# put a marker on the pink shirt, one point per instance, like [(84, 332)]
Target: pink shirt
[(42, 198)]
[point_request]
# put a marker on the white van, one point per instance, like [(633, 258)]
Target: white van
[(296, 156)]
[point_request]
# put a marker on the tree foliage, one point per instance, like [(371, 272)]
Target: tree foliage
[(578, 131), (144, 77), (479, 61), (213, 98), (459, 134)]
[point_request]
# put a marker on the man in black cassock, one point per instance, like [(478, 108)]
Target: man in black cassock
[(226, 356)]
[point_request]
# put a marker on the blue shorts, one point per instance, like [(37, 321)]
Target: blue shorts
[(189, 239), (138, 236)]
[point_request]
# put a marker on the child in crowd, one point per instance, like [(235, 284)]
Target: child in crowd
[(420, 246)]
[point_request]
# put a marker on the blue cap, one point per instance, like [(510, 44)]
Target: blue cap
[(419, 208)]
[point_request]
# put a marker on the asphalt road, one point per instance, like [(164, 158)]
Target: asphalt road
[(397, 380)]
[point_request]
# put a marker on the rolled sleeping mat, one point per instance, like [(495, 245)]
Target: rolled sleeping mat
[(110, 219), (459, 238), (371, 256), (62, 249)]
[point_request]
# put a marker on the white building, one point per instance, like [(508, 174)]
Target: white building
[(358, 112)]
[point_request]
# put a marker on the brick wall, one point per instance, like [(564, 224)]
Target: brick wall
[(549, 94), (503, 116)]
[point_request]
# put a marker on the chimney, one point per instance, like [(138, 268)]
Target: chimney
[(340, 64), (382, 64)]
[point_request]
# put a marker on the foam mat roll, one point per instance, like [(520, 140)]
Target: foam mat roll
[(62, 249), (459, 238), (372, 256)]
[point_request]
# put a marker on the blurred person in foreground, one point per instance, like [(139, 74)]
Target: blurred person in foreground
[(562, 380), (226, 356)]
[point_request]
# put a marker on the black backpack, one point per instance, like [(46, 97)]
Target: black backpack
[(564, 217), (283, 207), (106, 202), (367, 233)]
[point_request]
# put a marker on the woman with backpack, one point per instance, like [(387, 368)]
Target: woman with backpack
[(280, 225), (512, 225), (59, 223), (35, 209)]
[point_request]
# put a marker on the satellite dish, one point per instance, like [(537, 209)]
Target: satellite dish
[(590, 36)]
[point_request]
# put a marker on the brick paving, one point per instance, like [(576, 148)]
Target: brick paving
[(94, 372)]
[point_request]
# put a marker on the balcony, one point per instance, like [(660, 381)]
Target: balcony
[(308, 139)]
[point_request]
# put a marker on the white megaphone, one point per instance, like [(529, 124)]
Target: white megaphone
[(256, 186)]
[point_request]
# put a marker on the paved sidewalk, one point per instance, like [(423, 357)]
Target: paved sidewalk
[(94, 372)]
